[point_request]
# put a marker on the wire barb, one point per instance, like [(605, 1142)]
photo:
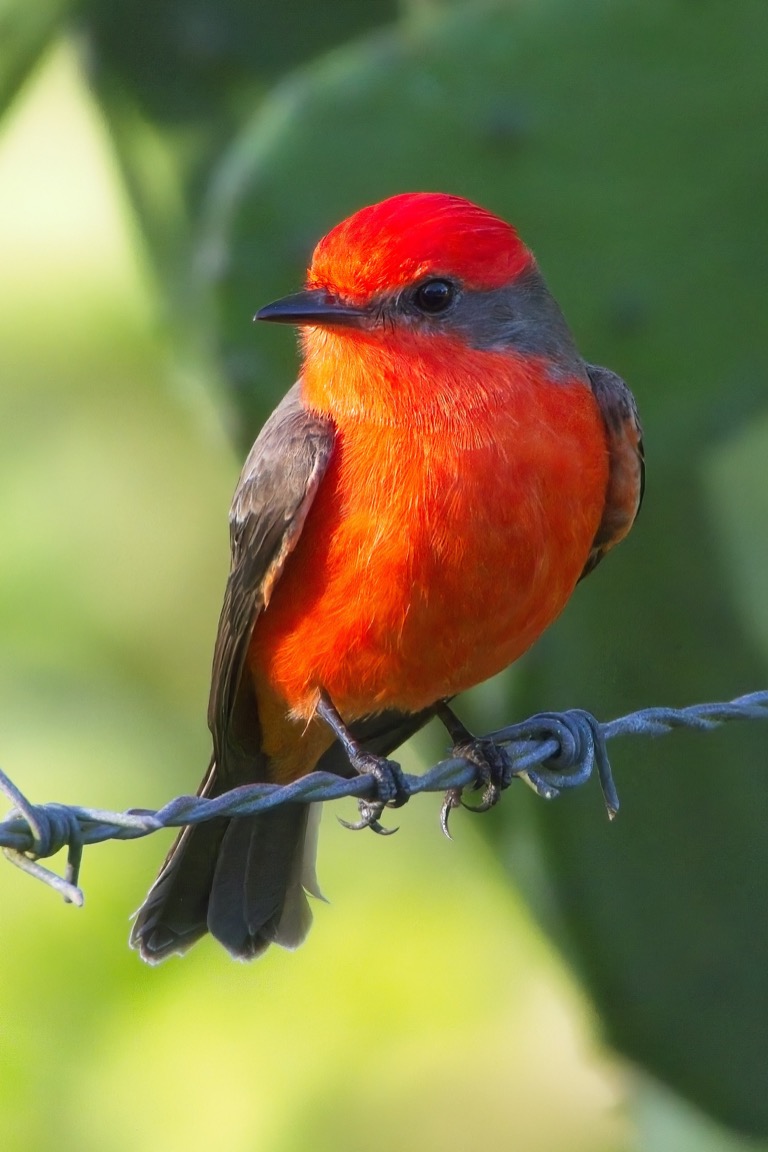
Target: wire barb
[(552, 752)]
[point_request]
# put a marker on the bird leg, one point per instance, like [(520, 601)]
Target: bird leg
[(391, 788), (487, 757)]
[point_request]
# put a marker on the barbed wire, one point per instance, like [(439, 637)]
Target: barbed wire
[(552, 752)]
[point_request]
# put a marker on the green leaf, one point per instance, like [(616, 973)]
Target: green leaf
[(623, 141)]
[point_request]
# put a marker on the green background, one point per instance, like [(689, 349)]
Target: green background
[(546, 981)]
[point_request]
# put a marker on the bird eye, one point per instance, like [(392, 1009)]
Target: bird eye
[(434, 296)]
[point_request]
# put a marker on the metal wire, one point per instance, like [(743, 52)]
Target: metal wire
[(552, 752)]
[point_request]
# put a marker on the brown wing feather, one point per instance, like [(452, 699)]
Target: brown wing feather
[(275, 492), (626, 479), (237, 878)]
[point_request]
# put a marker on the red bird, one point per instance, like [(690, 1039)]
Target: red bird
[(412, 516)]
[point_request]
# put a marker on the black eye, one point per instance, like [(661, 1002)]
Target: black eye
[(434, 296)]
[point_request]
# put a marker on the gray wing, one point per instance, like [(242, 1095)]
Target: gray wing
[(626, 478), (275, 492), (213, 879)]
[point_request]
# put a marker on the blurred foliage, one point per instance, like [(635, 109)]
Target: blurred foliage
[(26, 30), (626, 140), (176, 79)]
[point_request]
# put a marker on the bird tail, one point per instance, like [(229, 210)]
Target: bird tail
[(243, 880)]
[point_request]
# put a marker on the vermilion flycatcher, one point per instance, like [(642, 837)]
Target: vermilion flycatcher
[(412, 516)]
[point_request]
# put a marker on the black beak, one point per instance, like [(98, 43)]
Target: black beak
[(312, 307)]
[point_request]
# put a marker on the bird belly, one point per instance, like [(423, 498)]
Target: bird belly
[(428, 566)]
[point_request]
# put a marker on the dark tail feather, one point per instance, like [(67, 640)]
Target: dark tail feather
[(257, 897), (242, 880), (174, 914)]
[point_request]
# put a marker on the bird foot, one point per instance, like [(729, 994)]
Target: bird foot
[(492, 776), (391, 787), (392, 791)]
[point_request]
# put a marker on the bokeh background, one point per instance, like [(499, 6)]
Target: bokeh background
[(546, 982)]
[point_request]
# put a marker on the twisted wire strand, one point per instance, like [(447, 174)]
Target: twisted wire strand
[(552, 752)]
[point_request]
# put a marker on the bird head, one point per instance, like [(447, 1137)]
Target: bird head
[(427, 272)]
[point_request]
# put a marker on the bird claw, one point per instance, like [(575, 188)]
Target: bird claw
[(491, 797), (392, 792), (451, 800), (492, 776), (369, 818)]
